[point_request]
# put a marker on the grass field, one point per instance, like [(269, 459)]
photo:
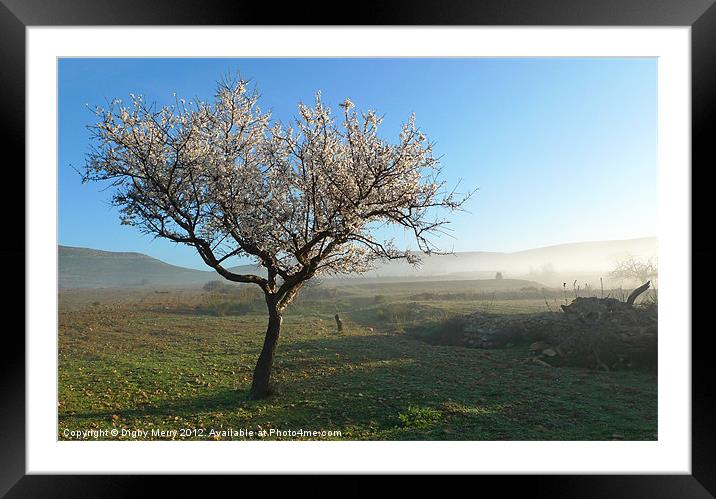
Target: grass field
[(175, 360)]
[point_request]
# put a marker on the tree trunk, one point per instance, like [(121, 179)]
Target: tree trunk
[(260, 386)]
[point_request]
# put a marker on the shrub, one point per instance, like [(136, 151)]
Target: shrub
[(219, 287), (419, 417), (396, 313), (448, 332)]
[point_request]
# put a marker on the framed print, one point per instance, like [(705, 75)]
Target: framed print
[(431, 241)]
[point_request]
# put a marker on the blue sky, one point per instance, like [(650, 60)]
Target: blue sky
[(558, 148)]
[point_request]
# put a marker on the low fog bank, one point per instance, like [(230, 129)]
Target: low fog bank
[(586, 262), (552, 266)]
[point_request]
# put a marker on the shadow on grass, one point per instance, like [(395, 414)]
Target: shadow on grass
[(380, 387), (216, 400)]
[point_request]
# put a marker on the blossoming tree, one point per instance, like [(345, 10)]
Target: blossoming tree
[(635, 269), (301, 200)]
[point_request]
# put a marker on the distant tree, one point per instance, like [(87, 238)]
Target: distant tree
[(498, 275), (636, 269), (302, 199), (212, 285), (217, 286)]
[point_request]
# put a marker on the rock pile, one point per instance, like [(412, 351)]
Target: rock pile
[(599, 332), (482, 330)]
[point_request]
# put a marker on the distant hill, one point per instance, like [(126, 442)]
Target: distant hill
[(90, 268), (583, 257)]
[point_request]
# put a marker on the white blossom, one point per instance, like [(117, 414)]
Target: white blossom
[(301, 198)]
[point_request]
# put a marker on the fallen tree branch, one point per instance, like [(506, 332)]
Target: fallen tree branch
[(634, 294)]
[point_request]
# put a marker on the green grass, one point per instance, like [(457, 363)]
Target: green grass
[(158, 361)]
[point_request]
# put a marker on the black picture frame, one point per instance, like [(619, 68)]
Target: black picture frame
[(16, 15)]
